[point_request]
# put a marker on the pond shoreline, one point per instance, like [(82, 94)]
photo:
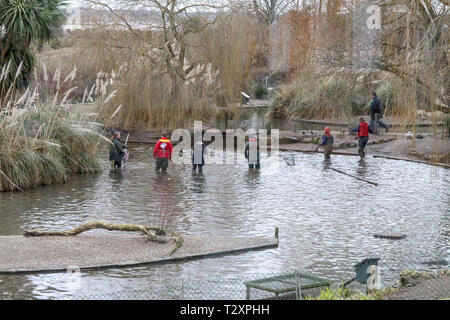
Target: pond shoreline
[(393, 146)]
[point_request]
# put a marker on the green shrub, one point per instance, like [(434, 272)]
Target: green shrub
[(260, 91), (343, 293)]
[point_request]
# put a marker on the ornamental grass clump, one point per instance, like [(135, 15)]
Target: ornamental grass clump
[(44, 142)]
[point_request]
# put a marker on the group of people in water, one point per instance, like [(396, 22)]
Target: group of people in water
[(363, 130), (162, 152)]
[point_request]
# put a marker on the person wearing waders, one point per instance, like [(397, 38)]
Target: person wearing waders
[(116, 151), (198, 157), (163, 152), (252, 152), (327, 144), (376, 114), (363, 130)]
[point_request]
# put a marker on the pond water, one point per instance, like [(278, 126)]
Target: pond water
[(326, 219), (251, 118)]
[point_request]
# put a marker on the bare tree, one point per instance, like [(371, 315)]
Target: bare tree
[(269, 10), (175, 21), (415, 46)]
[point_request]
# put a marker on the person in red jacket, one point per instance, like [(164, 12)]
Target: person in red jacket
[(163, 152), (363, 136), (327, 144)]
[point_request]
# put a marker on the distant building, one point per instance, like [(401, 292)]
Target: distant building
[(74, 20), (89, 18)]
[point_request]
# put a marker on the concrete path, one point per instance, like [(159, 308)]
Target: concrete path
[(427, 150), (424, 287), (47, 254)]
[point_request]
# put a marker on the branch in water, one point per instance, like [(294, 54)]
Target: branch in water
[(97, 225), (153, 236)]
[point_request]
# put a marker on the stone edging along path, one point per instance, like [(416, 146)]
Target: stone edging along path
[(97, 251), (342, 153)]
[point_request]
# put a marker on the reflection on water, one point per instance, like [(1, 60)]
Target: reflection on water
[(362, 168), (199, 183), (252, 118), (326, 219)]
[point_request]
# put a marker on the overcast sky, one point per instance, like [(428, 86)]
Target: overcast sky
[(74, 2)]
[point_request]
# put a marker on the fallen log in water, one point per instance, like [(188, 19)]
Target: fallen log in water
[(358, 178), (101, 225), (153, 236)]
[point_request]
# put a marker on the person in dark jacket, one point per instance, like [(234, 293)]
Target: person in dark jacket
[(163, 152), (376, 114), (327, 144), (116, 151), (252, 152), (363, 130), (198, 156)]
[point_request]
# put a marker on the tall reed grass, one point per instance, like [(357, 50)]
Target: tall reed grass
[(342, 95), (335, 96), (43, 142), (224, 52), (145, 95)]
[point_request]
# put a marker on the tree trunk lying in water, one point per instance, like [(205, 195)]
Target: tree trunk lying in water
[(153, 233), (358, 178)]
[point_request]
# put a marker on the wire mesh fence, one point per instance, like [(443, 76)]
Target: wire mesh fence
[(297, 285), (279, 286)]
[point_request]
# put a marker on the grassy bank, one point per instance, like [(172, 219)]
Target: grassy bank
[(314, 96), (343, 94)]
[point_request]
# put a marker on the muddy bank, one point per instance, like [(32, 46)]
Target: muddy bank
[(396, 123), (46, 254), (421, 148)]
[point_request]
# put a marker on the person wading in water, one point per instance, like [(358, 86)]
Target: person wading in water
[(163, 152), (376, 114), (116, 151), (327, 144), (198, 156), (252, 152), (363, 130)]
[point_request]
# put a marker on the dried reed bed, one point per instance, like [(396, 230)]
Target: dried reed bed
[(223, 51), (43, 141)]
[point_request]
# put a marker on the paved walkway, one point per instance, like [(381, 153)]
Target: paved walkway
[(424, 288)]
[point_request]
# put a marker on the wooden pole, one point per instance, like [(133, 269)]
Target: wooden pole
[(358, 178), (276, 232)]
